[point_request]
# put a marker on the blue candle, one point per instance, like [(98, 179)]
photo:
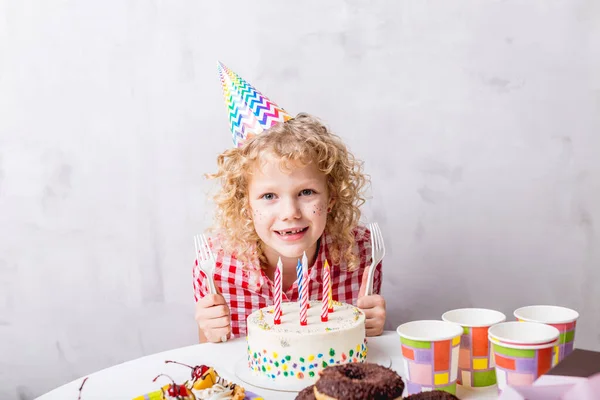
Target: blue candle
[(299, 275)]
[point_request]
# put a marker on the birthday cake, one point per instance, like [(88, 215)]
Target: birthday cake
[(291, 351)]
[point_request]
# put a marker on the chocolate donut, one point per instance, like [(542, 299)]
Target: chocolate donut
[(433, 395), (358, 381), (307, 393)]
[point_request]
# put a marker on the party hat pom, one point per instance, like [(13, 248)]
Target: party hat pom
[(250, 112)]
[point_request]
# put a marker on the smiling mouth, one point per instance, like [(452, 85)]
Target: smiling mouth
[(291, 232)]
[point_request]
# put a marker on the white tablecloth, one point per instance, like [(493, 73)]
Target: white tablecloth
[(134, 378)]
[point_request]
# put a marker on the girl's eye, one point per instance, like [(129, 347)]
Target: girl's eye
[(268, 196), (306, 192)]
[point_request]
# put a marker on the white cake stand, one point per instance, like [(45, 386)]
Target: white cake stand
[(242, 371)]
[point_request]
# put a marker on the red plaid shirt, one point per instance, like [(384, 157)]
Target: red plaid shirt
[(248, 289)]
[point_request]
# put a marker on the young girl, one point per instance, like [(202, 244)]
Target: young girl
[(293, 188)]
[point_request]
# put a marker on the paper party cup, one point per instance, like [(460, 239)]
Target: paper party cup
[(563, 319), (475, 361), (522, 351), (430, 351)]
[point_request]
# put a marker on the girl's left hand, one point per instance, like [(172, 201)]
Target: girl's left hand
[(374, 308)]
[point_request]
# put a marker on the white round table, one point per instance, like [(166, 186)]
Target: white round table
[(134, 378)]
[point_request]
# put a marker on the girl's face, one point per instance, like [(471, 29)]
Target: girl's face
[(289, 208)]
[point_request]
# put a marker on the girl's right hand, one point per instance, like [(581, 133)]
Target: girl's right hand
[(213, 318)]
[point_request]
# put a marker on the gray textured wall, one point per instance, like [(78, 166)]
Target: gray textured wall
[(479, 122)]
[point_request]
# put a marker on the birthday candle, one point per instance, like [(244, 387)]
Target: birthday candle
[(304, 297), (325, 300), (299, 275), (329, 296), (278, 272), (305, 281)]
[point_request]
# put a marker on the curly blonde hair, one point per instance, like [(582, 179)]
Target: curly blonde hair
[(299, 141)]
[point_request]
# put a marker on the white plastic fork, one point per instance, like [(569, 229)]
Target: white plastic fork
[(206, 260), (377, 254)]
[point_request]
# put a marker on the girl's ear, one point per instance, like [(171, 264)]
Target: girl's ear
[(330, 205)]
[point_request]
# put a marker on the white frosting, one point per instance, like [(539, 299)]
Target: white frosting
[(216, 392), (302, 351)]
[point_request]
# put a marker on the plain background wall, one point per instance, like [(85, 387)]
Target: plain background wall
[(478, 121)]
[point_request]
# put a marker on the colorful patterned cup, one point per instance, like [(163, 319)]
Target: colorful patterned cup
[(563, 319), (430, 352), (522, 351), (475, 363)]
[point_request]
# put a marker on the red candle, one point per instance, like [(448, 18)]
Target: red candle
[(326, 290), (305, 280), (278, 292)]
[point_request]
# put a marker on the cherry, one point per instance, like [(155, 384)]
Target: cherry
[(174, 390), (197, 372)]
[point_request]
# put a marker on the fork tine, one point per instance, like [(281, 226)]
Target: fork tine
[(381, 242), (200, 248), (210, 253), (375, 239), (197, 249), (369, 288), (373, 247), (204, 247)]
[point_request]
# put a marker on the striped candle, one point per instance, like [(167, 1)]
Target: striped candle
[(326, 290), (329, 295), (278, 271), (304, 297), (305, 279), (299, 275)]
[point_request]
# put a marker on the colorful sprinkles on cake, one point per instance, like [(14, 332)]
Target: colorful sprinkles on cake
[(276, 365)]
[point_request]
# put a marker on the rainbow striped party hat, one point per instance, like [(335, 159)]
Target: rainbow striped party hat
[(250, 112)]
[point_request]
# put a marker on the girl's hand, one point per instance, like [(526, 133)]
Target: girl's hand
[(213, 318), (374, 308)]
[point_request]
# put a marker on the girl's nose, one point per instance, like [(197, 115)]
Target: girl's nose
[(289, 209)]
